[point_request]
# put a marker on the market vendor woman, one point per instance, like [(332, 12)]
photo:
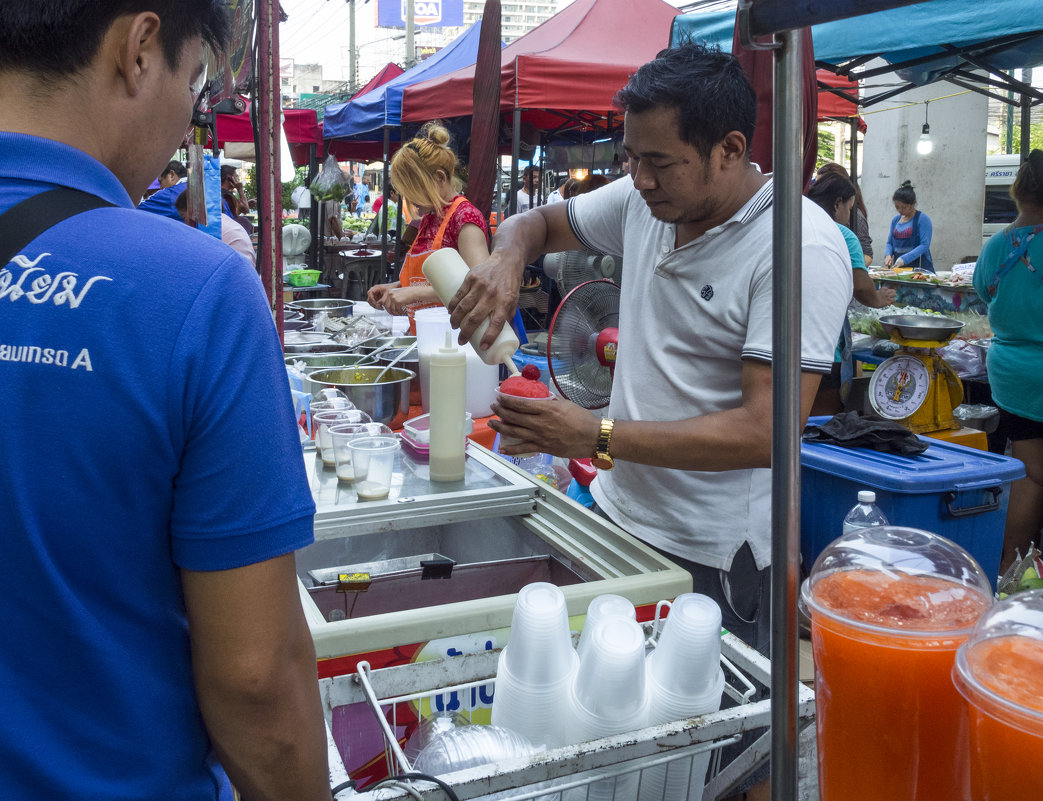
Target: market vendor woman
[(422, 170), (909, 241)]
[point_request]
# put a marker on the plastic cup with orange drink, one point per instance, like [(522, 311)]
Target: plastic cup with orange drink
[(999, 672), (889, 606)]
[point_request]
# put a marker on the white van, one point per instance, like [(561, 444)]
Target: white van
[(999, 210)]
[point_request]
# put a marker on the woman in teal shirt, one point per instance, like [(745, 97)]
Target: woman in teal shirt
[(1009, 278)]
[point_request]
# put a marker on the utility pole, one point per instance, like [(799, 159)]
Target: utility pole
[(353, 56), (410, 49)]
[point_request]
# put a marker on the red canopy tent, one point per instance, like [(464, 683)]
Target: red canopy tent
[(568, 68), (302, 128), (392, 70)]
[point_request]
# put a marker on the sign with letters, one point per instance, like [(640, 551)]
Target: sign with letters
[(430, 13)]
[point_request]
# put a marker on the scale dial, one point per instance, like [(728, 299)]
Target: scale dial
[(899, 387)]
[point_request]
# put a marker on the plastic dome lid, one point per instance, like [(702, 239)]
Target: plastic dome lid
[(897, 580), (998, 668)]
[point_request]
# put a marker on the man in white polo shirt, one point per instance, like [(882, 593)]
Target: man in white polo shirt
[(688, 428)]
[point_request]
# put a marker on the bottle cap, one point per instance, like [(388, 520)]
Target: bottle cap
[(449, 346), (866, 496)]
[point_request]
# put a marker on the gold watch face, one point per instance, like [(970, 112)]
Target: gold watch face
[(602, 461)]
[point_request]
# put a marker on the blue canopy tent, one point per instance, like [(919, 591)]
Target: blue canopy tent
[(365, 117), (924, 42)]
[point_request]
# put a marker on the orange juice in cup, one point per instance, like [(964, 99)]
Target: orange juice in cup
[(889, 606), (999, 672)]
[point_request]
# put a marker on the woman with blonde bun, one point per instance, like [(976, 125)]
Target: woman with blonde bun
[(423, 172)]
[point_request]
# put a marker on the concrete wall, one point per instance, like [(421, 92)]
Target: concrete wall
[(949, 183)]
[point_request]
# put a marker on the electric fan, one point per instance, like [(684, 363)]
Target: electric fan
[(582, 342), (570, 268)]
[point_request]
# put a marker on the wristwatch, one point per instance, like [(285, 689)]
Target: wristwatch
[(602, 460)]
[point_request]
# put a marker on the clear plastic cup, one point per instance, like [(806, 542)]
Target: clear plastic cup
[(505, 440), (999, 673), (889, 606), (687, 657), (373, 460), (602, 608), (609, 694), (536, 668), (470, 746), (321, 422), (342, 435)]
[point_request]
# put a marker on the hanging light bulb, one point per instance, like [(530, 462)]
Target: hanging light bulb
[(925, 144)]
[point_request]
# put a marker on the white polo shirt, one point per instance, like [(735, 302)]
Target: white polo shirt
[(688, 317)]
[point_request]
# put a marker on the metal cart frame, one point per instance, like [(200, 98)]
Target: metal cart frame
[(571, 767)]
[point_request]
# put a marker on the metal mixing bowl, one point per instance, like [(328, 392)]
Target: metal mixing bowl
[(924, 327), (311, 342), (386, 402), (319, 361), (334, 307), (410, 362), (371, 345)]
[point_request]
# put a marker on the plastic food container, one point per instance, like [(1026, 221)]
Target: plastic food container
[(999, 673), (889, 606), (302, 277)]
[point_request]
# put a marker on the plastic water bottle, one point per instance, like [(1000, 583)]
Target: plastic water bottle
[(865, 513)]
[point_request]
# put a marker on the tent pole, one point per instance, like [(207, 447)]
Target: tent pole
[(269, 199), (854, 149), (785, 447), (384, 205), (313, 170), (1026, 115), (512, 195)]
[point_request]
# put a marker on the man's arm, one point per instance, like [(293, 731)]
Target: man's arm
[(490, 289), (255, 675), (727, 440)]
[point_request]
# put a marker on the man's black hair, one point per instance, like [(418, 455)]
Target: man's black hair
[(58, 38), (176, 167), (707, 87)]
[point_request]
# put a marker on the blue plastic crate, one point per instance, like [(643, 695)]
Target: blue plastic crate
[(958, 492)]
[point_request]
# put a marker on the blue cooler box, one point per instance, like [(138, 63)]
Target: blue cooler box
[(958, 492)]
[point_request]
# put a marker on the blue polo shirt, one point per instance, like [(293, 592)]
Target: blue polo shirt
[(149, 429)]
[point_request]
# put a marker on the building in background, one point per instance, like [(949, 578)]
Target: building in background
[(517, 18)]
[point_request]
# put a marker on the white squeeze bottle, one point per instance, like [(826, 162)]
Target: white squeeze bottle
[(446, 270), (448, 370), (865, 514)]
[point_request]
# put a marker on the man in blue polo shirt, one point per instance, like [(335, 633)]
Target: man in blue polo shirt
[(152, 490)]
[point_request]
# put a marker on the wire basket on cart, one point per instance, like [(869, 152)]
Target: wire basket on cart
[(620, 767)]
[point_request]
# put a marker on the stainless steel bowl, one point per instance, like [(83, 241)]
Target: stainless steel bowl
[(410, 362), (320, 361), (334, 307), (925, 327), (386, 402), (371, 345), (296, 325)]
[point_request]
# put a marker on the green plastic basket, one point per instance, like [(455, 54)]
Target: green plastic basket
[(302, 277)]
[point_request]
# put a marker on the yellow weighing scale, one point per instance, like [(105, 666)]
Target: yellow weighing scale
[(916, 386)]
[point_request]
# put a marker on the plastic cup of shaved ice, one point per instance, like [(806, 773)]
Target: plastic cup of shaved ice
[(528, 386)]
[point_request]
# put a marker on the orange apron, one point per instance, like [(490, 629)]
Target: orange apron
[(413, 275)]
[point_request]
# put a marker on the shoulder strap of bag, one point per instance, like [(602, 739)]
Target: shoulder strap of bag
[(25, 221)]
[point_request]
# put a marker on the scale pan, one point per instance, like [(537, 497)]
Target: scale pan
[(912, 326)]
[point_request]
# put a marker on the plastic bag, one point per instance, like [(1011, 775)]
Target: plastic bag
[(966, 359), (331, 183)]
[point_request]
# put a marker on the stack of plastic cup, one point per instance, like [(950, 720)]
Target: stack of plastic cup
[(608, 694), (685, 679), (602, 608), (536, 668), (342, 435)]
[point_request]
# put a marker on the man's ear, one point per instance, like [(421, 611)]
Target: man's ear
[(139, 52), (733, 147)]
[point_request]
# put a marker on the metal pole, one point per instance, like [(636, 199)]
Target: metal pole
[(785, 446), (313, 215), (353, 56), (410, 49), (269, 196), (854, 149), (1026, 116), (384, 205), (512, 194)]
